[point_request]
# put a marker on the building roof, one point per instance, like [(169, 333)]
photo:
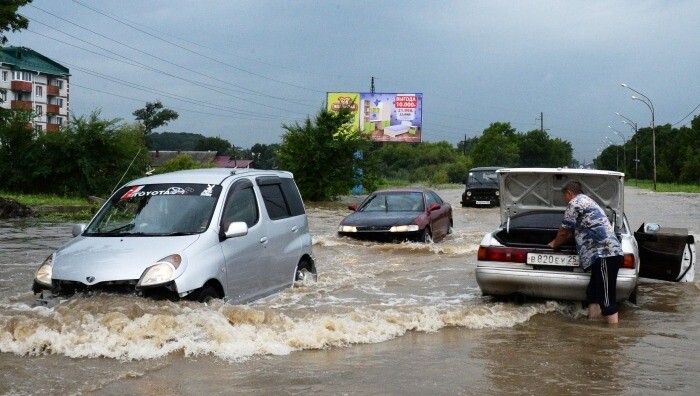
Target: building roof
[(23, 58)]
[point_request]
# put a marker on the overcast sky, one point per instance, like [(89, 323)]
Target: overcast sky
[(240, 69)]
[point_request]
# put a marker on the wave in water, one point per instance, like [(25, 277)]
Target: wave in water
[(130, 328)]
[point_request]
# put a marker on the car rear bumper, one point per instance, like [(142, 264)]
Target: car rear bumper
[(545, 284)]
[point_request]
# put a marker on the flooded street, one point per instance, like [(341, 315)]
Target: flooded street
[(389, 319)]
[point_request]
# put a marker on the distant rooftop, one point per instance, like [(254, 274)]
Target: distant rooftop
[(23, 58)]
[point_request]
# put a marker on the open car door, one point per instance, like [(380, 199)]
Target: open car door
[(666, 253)]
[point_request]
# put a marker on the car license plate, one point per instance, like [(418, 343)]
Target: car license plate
[(565, 260), (483, 202)]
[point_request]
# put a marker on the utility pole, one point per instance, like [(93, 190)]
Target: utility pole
[(464, 148), (541, 121), (371, 87)]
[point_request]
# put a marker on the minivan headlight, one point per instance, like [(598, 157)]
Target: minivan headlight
[(45, 272), (344, 228), (160, 272)]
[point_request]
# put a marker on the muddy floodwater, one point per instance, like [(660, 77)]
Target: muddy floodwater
[(383, 319)]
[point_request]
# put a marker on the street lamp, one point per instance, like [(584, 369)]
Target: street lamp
[(617, 153), (633, 125), (624, 143), (650, 105)]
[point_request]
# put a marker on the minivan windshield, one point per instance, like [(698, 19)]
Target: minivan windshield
[(157, 210), (482, 179)]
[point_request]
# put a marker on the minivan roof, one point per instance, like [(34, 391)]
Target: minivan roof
[(206, 175), (486, 168)]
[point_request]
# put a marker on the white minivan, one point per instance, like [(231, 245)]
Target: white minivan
[(239, 235)]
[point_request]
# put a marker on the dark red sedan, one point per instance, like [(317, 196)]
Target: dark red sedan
[(398, 215)]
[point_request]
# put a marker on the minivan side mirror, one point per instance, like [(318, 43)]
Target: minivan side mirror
[(78, 229), (236, 229), (433, 206)]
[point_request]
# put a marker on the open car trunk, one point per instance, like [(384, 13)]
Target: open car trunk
[(532, 209), (666, 253)]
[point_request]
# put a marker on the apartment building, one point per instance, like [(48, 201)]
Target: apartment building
[(31, 81)]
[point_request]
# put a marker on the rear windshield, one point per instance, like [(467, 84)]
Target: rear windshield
[(157, 210)]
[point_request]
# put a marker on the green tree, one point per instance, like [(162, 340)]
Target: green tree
[(10, 20), (90, 156), (184, 141), (466, 147), (497, 146), (221, 146), (153, 116), (322, 154), (17, 141), (180, 162), (534, 149), (264, 155)]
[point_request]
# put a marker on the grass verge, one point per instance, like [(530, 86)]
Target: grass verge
[(663, 187)]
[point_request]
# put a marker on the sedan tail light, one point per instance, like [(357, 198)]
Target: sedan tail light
[(503, 254), (515, 255)]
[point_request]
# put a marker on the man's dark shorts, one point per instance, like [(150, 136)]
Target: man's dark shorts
[(602, 287)]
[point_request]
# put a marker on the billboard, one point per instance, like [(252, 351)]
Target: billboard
[(387, 117)]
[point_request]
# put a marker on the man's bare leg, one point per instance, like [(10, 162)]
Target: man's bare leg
[(612, 319), (594, 311)]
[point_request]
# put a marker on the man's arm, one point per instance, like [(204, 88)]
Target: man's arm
[(563, 235)]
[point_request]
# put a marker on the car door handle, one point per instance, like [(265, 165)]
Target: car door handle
[(295, 229), (263, 240)]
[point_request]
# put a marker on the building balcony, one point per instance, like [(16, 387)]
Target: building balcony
[(52, 90), (21, 104), (52, 127), (53, 109), (21, 86)]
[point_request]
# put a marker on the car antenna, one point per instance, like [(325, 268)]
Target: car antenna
[(125, 172)]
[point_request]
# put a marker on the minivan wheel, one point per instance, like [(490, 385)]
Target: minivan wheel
[(206, 294), (304, 272)]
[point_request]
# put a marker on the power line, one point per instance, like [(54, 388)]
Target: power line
[(249, 91), (197, 53), (146, 67), (689, 114), (171, 107)]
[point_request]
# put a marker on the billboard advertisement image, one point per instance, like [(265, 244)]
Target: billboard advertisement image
[(387, 117)]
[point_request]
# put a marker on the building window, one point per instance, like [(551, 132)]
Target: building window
[(39, 110), (39, 90), (3, 96), (38, 128), (59, 120), (59, 102), (4, 75), (22, 75)]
